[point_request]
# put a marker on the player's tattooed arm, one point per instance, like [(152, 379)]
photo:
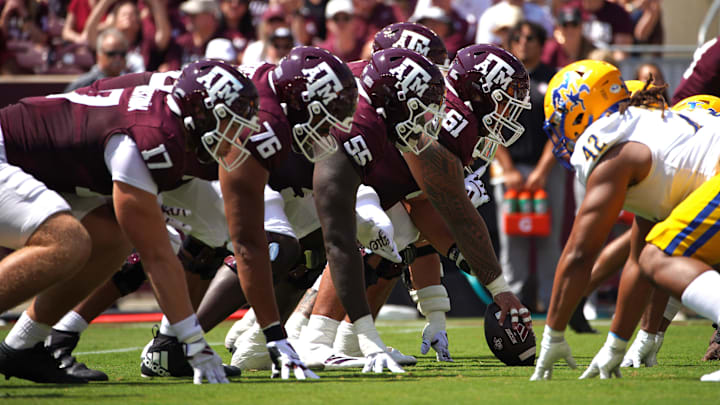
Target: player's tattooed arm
[(305, 306), (440, 176), (335, 184)]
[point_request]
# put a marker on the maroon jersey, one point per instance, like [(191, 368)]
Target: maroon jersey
[(273, 143), (60, 139), (460, 129), (381, 165), (703, 74), (270, 146), (295, 172)]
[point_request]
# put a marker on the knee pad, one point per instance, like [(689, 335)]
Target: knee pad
[(131, 275), (201, 259), (433, 299), (284, 254)]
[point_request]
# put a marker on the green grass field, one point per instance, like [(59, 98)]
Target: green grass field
[(475, 377)]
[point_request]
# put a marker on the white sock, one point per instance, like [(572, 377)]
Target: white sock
[(701, 295), (165, 327), (346, 341), (320, 330), (72, 322), (26, 333), (294, 324)]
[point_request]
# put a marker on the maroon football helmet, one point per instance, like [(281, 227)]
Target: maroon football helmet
[(317, 91), (408, 91), (497, 87), (207, 92), (415, 37)]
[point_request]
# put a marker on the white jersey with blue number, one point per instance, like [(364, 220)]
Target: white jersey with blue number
[(684, 155)]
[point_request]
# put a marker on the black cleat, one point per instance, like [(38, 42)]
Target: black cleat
[(61, 344), (578, 322), (166, 358), (34, 364)]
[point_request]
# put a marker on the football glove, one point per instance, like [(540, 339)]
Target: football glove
[(553, 348), (476, 189), (606, 362), (642, 351), (377, 362), (376, 356), (284, 359), (205, 362), (439, 343)]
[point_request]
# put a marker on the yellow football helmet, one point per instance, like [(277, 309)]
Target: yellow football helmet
[(577, 96), (703, 101)]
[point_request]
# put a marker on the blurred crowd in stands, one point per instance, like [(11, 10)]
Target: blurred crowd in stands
[(108, 37)]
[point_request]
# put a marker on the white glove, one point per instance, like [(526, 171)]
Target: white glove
[(642, 351), (377, 362), (376, 356), (553, 348), (606, 362), (171, 217), (659, 339), (435, 336), (284, 358), (475, 188), (439, 343), (205, 362)]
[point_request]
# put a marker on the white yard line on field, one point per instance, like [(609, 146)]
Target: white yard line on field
[(127, 349)]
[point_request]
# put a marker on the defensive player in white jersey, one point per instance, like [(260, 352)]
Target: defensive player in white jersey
[(622, 154)]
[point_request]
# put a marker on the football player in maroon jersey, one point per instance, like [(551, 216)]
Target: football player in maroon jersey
[(401, 98), (119, 146), (306, 94)]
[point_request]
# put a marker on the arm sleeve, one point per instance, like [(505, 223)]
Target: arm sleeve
[(126, 165)]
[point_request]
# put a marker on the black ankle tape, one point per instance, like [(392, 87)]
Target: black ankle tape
[(274, 332)]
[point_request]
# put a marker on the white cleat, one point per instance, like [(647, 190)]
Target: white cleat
[(250, 351), (320, 356), (712, 377), (400, 358), (238, 328)]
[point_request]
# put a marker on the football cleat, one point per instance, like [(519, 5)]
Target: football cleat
[(250, 351), (165, 357), (61, 344), (578, 322), (34, 364)]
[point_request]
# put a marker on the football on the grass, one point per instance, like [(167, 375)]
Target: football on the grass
[(512, 347)]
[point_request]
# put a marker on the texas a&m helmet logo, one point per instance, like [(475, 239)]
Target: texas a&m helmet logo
[(414, 41), (411, 77), (496, 72), (221, 86), (321, 81)]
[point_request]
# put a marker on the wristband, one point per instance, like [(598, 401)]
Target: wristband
[(615, 342), (274, 332), (188, 330), (497, 286)]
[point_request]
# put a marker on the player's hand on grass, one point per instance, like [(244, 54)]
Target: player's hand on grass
[(285, 359), (376, 356), (205, 362), (554, 347), (642, 351), (438, 341), (377, 362), (606, 362)]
